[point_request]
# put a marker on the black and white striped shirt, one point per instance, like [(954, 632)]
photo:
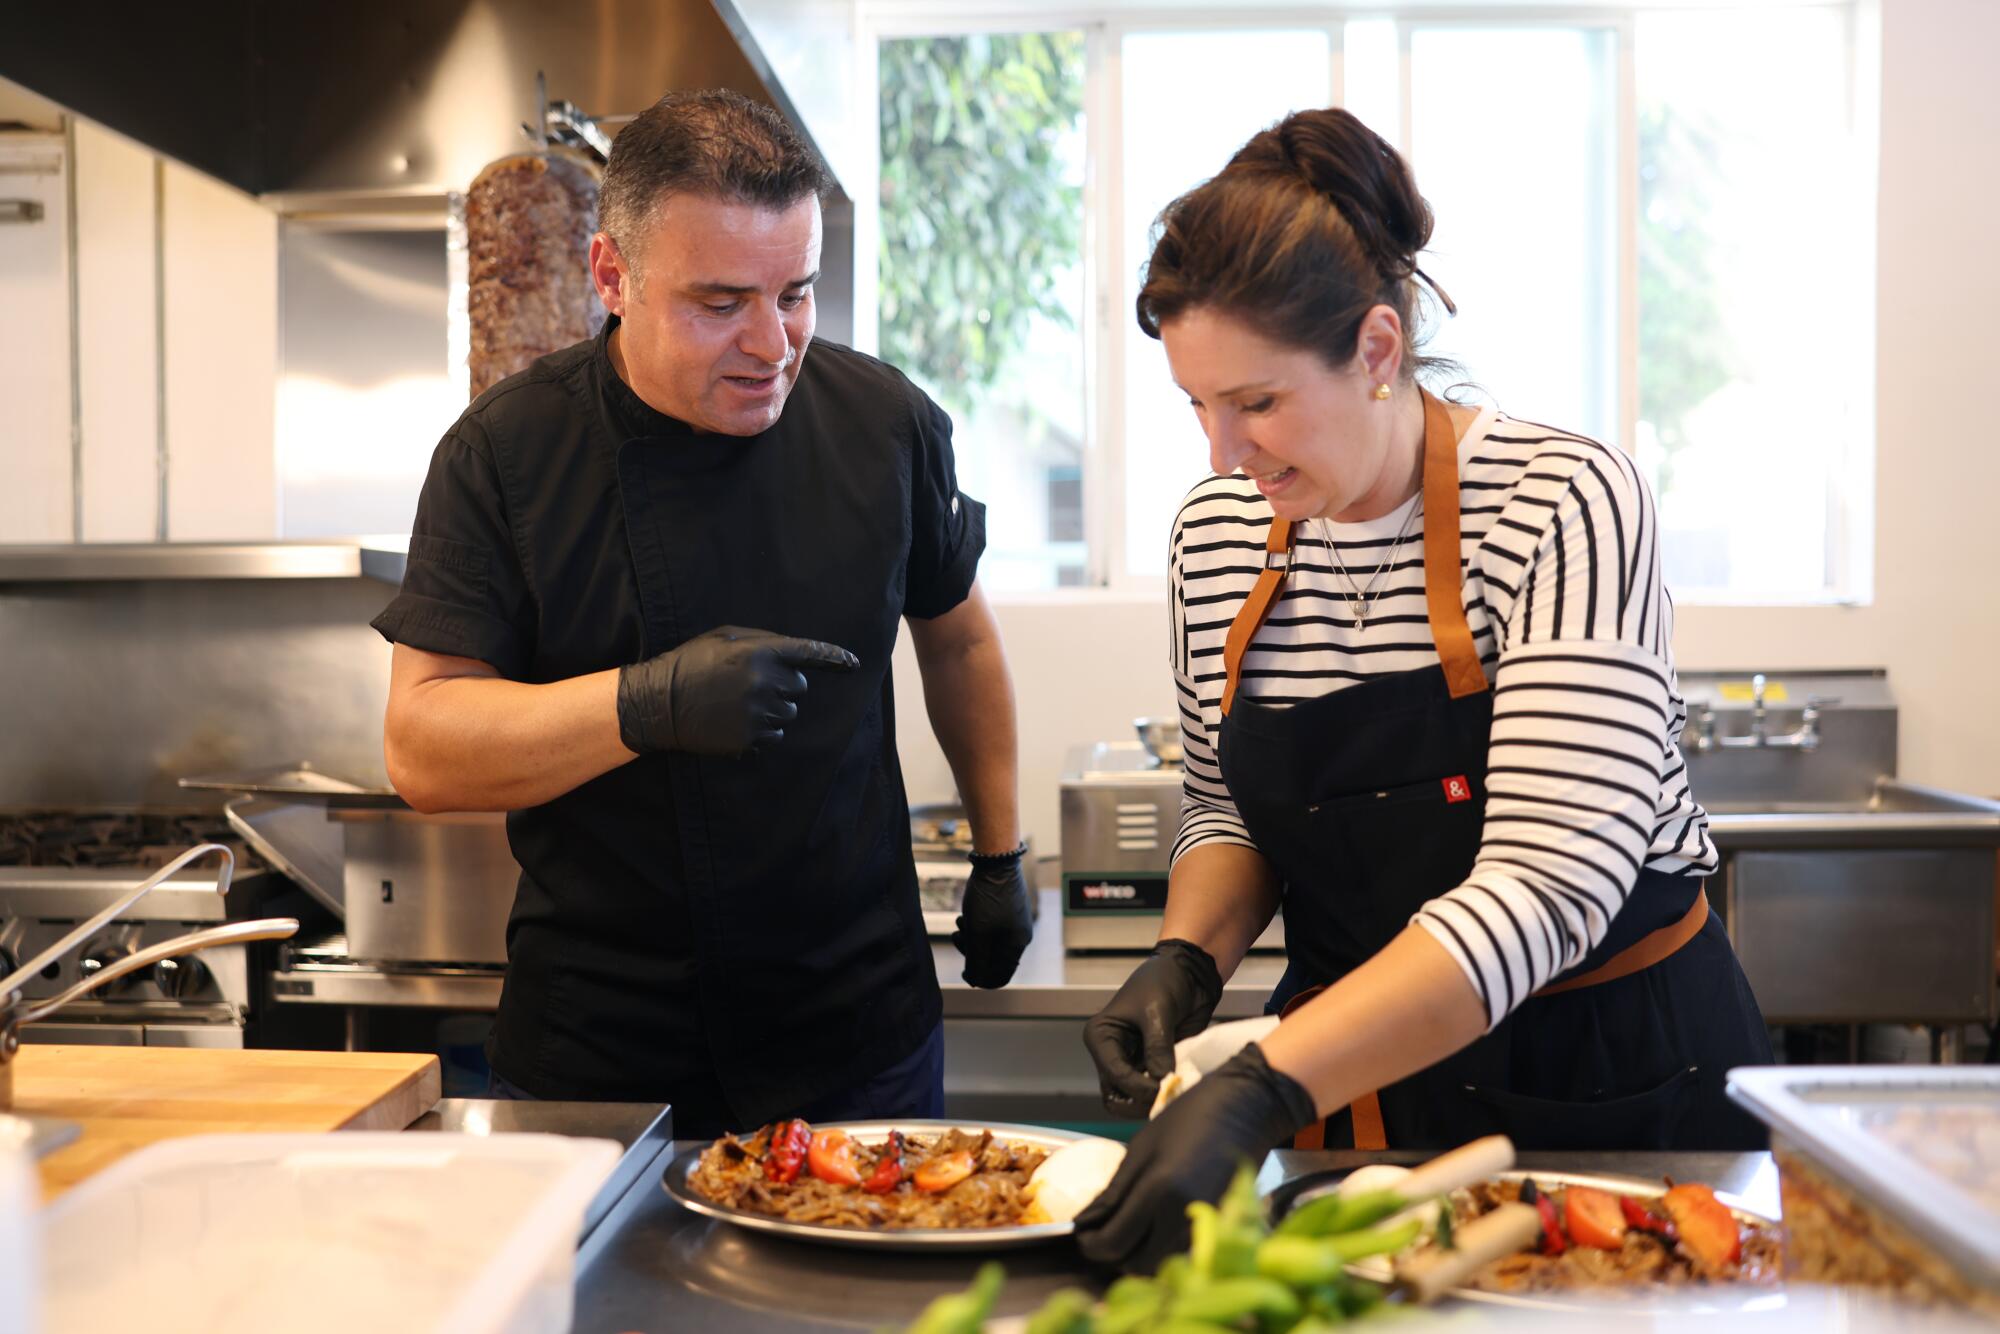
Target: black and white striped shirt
[(1559, 540)]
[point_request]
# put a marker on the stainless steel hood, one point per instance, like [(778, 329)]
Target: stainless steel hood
[(299, 101)]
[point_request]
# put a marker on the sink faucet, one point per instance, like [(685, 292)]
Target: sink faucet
[(1758, 738)]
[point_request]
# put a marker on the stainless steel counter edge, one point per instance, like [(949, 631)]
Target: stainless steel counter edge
[(112, 561)]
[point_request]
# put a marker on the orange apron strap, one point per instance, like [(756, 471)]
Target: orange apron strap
[(1250, 616), (1366, 1112), (1643, 953), (1443, 600)]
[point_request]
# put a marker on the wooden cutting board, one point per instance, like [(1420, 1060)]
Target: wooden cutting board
[(128, 1097)]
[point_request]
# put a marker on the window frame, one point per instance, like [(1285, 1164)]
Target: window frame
[(1106, 300)]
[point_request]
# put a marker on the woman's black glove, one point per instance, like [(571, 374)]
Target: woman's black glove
[(1171, 995), (995, 921), (1237, 1113), (726, 692)]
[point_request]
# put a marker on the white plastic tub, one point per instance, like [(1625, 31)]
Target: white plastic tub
[(342, 1232), (1890, 1175)]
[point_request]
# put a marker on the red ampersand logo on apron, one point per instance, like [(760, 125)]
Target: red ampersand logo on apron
[(1457, 789)]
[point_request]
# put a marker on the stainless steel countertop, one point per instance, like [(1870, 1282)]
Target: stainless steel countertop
[(1053, 985), (664, 1268)]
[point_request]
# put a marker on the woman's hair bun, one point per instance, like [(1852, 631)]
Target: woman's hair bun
[(1313, 223), (1365, 178)]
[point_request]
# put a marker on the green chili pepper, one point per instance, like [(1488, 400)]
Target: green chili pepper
[(1330, 1215), (1225, 1300), (1130, 1304), (962, 1312), (1067, 1312), (1204, 1227), (1305, 1261)]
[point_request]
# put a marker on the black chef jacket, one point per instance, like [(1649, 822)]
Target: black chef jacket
[(735, 935)]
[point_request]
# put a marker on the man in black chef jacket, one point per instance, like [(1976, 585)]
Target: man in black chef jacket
[(653, 586)]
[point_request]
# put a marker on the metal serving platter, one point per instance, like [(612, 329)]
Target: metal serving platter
[(903, 1239), (1659, 1299)]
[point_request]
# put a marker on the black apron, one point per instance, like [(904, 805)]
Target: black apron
[(1370, 802)]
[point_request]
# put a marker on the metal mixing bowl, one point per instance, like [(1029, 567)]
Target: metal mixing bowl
[(1161, 737)]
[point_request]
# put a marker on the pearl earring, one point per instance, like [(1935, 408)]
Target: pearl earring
[(1382, 390)]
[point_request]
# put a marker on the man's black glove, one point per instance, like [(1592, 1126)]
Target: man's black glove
[(1236, 1114), (726, 692), (995, 920), (1171, 995)]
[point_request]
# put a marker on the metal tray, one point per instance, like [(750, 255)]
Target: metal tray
[(905, 1239), (1707, 1300), (300, 782)]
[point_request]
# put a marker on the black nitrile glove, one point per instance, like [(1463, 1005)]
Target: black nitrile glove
[(995, 922), (1237, 1113), (726, 692), (1171, 995)]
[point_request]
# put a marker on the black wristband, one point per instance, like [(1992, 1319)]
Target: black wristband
[(999, 859)]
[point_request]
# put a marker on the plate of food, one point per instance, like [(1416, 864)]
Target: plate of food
[(901, 1185), (1605, 1242)]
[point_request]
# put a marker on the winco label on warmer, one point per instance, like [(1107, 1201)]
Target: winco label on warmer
[(1114, 894)]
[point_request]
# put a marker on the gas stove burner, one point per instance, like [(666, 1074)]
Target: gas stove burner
[(138, 840)]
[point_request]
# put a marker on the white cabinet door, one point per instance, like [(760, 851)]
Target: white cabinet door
[(35, 385)]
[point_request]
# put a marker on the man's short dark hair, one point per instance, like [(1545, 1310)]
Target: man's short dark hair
[(712, 142)]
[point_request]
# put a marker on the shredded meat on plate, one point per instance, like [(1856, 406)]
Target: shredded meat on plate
[(731, 1173), (1644, 1262)]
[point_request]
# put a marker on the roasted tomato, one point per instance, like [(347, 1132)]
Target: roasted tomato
[(943, 1171), (1708, 1230), (831, 1158), (789, 1140), (888, 1173), (1594, 1218)]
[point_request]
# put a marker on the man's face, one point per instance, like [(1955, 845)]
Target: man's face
[(717, 308)]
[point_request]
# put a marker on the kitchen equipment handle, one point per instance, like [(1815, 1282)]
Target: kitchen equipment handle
[(48, 956), (20, 210), (230, 933)]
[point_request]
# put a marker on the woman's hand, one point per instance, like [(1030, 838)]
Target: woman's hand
[(1237, 1113), (1172, 994)]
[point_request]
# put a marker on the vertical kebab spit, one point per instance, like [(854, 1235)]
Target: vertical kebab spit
[(529, 218)]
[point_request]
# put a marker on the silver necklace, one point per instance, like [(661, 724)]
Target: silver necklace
[(1361, 601)]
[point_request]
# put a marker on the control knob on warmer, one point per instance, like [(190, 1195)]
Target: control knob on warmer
[(180, 978), (100, 959)]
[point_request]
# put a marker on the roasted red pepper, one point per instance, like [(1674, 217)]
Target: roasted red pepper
[(888, 1173), (1643, 1219), (1553, 1242), (789, 1142)]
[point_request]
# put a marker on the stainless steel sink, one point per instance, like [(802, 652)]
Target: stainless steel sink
[(1851, 896), (1895, 814)]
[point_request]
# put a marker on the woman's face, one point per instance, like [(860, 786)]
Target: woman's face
[(1315, 440)]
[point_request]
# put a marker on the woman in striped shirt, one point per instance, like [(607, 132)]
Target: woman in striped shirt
[(1427, 704)]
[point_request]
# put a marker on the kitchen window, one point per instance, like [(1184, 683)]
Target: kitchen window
[(1649, 237)]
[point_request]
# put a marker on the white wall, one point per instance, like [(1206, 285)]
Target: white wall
[(1084, 667)]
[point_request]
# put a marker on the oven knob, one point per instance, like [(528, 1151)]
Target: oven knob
[(180, 978), (93, 964)]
